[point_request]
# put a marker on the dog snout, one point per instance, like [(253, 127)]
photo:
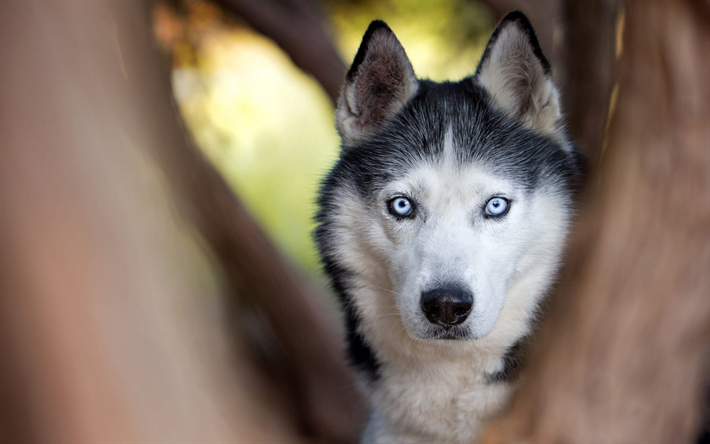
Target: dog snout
[(447, 305)]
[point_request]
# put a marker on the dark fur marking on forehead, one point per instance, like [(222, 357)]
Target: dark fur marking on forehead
[(481, 133)]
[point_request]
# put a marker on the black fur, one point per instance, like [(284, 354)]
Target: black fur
[(513, 362), (359, 352)]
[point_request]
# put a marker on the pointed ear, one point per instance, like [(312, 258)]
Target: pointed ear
[(518, 77), (379, 83)]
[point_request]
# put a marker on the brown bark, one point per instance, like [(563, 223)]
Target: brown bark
[(99, 311), (624, 355), (589, 63), (296, 26), (95, 347)]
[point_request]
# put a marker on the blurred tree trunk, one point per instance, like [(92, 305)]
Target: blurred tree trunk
[(589, 64), (100, 315), (624, 354)]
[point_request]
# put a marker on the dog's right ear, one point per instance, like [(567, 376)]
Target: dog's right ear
[(379, 83), (518, 76)]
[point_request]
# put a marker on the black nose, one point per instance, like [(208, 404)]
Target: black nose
[(447, 305)]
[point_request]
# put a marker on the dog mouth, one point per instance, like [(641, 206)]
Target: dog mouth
[(448, 333)]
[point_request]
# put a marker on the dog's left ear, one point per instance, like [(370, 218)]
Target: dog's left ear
[(378, 85), (518, 77)]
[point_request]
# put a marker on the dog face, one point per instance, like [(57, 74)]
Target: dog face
[(466, 235), (447, 197)]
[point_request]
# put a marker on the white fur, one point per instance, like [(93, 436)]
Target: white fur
[(438, 390)]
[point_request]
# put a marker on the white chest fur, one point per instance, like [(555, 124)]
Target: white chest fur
[(434, 402), (438, 391)]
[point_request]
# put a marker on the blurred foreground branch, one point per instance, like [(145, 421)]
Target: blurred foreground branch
[(98, 324), (624, 355)]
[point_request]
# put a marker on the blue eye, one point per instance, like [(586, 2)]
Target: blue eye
[(400, 207), (497, 207)]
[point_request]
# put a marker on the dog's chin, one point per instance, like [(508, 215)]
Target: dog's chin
[(467, 331), (455, 333)]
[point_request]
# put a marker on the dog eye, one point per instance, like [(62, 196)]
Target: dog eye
[(497, 207), (400, 207)]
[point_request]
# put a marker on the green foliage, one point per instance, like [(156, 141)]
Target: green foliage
[(269, 129), (443, 39)]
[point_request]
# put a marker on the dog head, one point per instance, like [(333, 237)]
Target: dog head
[(450, 200)]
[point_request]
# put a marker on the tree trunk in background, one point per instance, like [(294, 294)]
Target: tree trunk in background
[(589, 70), (107, 333), (624, 354), (101, 311)]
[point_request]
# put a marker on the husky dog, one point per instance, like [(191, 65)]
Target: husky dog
[(442, 226)]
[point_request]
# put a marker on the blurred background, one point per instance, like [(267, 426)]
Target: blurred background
[(159, 164)]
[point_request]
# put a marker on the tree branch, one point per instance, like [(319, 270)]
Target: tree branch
[(297, 28)]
